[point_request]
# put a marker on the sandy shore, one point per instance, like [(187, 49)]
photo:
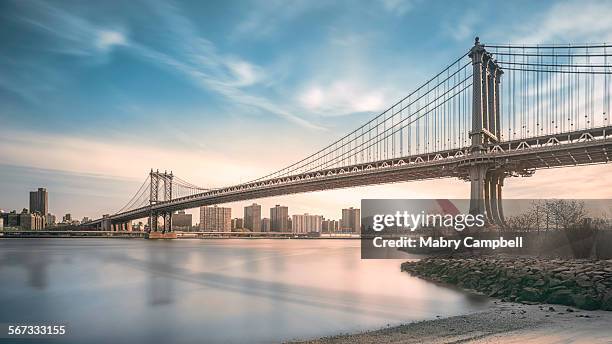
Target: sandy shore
[(502, 323)]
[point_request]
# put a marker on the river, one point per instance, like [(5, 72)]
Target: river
[(209, 291)]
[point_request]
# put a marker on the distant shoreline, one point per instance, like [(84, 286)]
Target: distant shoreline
[(142, 235)]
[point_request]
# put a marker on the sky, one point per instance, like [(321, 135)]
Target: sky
[(94, 94)]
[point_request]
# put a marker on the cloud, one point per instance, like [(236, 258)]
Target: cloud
[(185, 52), (341, 98), (106, 39), (398, 7), (572, 21), (198, 58), (464, 28), (245, 73), (266, 17), (70, 33)]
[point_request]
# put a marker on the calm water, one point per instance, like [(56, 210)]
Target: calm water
[(201, 291)]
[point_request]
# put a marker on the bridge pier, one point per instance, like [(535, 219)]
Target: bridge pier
[(160, 183), (486, 193), (478, 176), (496, 182), (486, 181), (161, 232)]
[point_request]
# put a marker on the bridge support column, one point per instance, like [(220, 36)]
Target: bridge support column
[(164, 182), (486, 182), (495, 181), (106, 224), (153, 222), (478, 175), (486, 193)]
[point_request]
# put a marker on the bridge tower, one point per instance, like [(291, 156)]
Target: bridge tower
[(486, 179), (160, 189)]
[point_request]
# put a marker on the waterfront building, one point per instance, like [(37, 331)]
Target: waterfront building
[(67, 218), (307, 223), (182, 221), (279, 216), (215, 219), (50, 220), (265, 224), (39, 201), (31, 221), (329, 226), (351, 220), (237, 223), (252, 217)]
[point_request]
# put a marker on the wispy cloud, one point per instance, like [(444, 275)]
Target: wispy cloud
[(398, 7), (463, 28), (186, 52), (570, 21), (268, 17), (70, 34), (107, 39), (341, 98)]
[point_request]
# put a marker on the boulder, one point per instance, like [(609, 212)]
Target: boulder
[(530, 294), (606, 302), (562, 297), (587, 302)]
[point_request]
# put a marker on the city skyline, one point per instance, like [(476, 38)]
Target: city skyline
[(93, 123), (216, 218)]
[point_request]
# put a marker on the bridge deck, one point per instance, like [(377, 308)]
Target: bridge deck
[(583, 147)]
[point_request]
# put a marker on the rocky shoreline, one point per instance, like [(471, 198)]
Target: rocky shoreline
[(585, 284)]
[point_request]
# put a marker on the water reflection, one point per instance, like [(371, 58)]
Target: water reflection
[(213, 290), (35, 266)]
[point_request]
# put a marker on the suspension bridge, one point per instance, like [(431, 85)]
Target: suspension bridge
[(498, 111)]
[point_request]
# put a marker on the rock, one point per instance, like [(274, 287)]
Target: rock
[(586, 302), (530, 294), (561, 297), (553, 282), (539, 283), (582, 283), (606, 302)]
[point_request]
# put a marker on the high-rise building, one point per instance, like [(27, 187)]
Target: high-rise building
[(181, 221), (50, 220), (307, 223), (237, 223), (39, 201), (252, 217), (279, 216), (265, 224), (329, 226), (215, 219), (351, 220), (67, 218)]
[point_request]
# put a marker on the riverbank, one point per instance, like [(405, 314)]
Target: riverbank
[(505, 322), (585, 284), (532, 282)]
